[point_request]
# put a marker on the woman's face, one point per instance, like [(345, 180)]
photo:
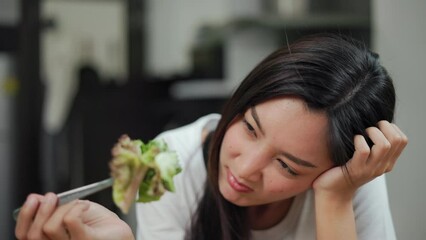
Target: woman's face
[(273, 152)]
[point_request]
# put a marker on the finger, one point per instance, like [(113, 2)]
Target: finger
[(54, 228), (73, 221), (361, 153), (380, 149), (26, 215), (394, 138), (402, 134), (47, 207), (400, 131), (397, 139), (401, 146)]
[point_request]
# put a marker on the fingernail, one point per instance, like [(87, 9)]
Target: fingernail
[(31, 202), (50, 198)]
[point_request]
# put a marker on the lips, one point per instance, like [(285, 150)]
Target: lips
[(237, 186)]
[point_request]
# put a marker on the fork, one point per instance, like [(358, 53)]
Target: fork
[(77, 193)]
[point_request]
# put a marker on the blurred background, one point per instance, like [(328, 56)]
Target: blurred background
[(76, 74)]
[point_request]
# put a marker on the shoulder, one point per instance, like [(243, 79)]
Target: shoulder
[(171, 214), (374, 191), (371, 204), (187, 139)]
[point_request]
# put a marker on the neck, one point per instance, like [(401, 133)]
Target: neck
[(268, 215)]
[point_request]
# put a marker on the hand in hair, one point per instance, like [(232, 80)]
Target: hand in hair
[(366, 164), (335, 188)]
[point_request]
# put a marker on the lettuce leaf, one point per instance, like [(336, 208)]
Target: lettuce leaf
[(146, 170)]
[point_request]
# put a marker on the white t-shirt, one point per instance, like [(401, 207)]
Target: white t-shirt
[(169, 217)]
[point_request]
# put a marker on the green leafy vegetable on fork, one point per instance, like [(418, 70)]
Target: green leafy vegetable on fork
[(146, 170)]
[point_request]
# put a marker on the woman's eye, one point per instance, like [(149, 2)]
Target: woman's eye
[(287, 168), (249, 127)]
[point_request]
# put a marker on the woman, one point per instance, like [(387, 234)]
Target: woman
[(298, 153)]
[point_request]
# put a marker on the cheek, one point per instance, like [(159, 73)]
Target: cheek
[(230, 144), (289, 186)]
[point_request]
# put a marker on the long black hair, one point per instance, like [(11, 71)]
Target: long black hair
[(332, 74)]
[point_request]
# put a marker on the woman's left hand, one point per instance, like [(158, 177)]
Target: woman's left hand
[(366, 164)]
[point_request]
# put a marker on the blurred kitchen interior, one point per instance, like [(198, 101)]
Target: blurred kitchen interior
[(75, 75)]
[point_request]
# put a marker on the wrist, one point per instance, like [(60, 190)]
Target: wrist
[(335, 218), (333, 198)]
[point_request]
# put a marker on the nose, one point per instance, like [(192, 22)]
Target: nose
[(251, 165)]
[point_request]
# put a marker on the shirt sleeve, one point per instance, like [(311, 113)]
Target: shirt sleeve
[(160, 220), (372, 212), (169, 217)]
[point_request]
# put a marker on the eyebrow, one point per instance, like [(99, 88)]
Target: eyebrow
[(298, 161), (256, 119), (291, 157)]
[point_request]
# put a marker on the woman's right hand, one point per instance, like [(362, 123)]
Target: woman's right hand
[(41, 219)]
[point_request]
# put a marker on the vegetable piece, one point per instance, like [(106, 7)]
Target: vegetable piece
[(144, 168)]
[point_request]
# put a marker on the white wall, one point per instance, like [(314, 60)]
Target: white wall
[(400, 39), (9, 11), (85, 32), (171, 30)]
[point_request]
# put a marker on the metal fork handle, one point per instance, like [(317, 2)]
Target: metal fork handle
[(77, 193)]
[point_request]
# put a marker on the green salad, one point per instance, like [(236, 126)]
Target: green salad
[(145, 170)]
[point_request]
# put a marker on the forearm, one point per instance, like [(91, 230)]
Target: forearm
[(335, 219)]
